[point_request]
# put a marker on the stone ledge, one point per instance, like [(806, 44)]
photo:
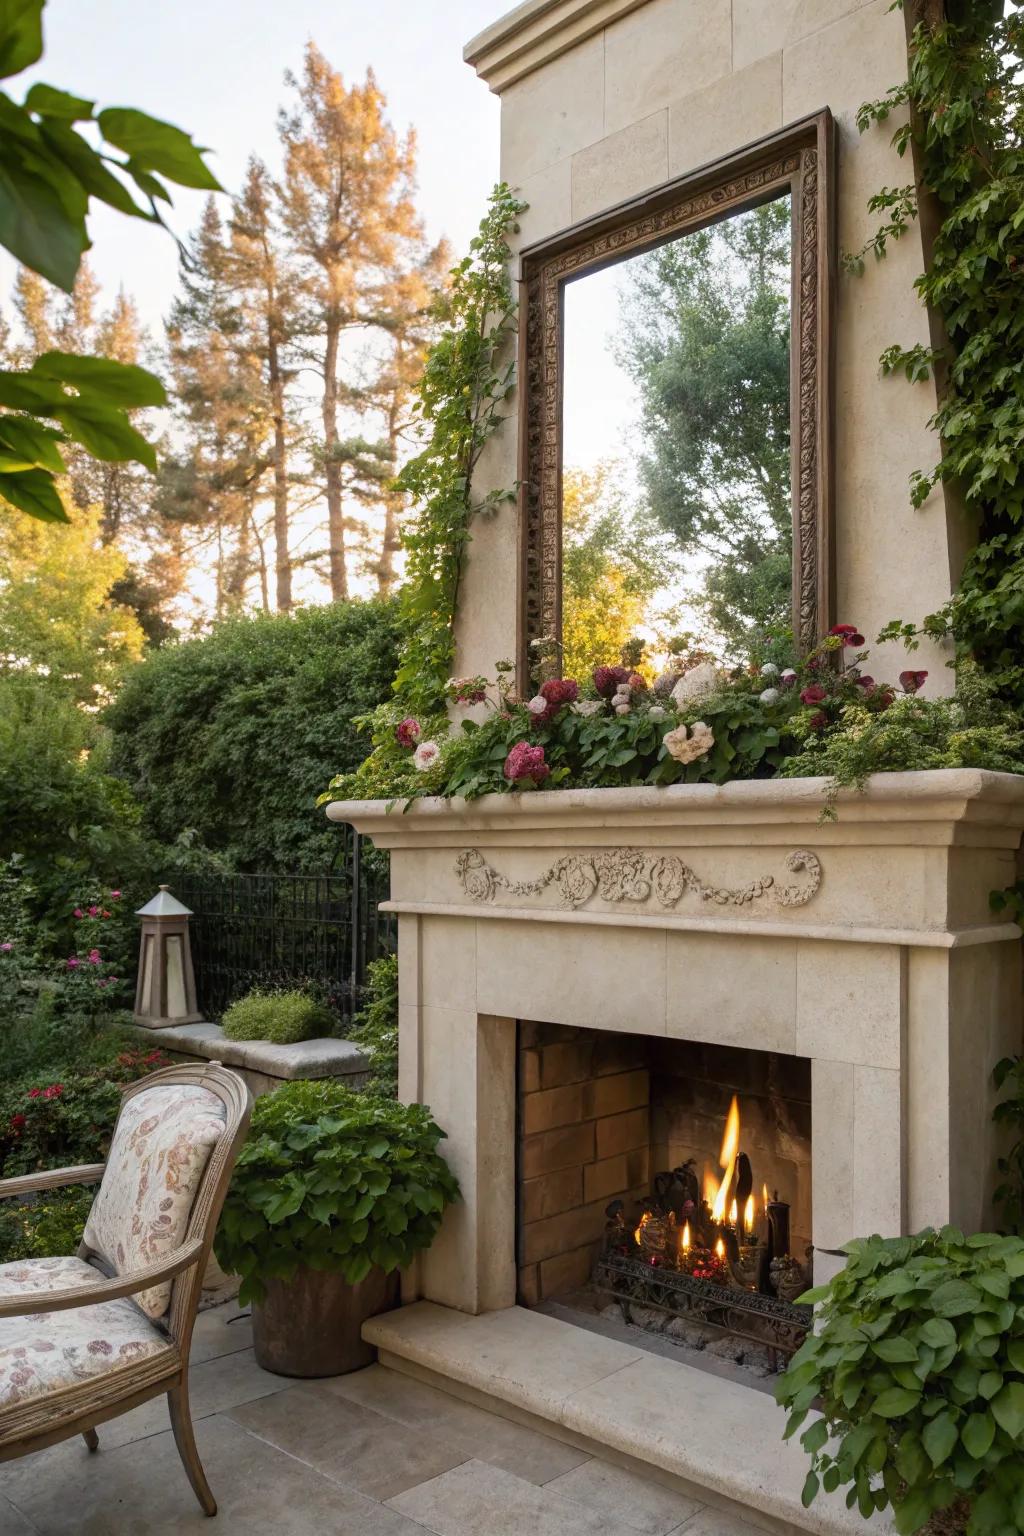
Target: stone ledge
[(715, 1434), (325, 1057), (535, 32)]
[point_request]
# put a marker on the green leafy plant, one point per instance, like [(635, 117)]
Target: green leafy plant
[(48, 1227), (1009, 1194), (917, 1362), (51, 171), (375, 1028), (466, 380), (966, 91), (282, 1017), (332, 1180)]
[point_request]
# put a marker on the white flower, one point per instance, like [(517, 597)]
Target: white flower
[(426, 755), (537, 705), (623, 692), (698, 682), (587, 706), (788, 675), (770, 696), (685, 746), (769, 669), (657, 713), (623, 707)]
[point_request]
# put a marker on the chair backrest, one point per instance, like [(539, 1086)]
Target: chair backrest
[(171, 1155)]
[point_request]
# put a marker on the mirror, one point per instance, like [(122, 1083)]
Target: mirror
[(677, 520), (676, 446)]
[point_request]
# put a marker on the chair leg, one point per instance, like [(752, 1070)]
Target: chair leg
[(91, 1439), (185, 1440)]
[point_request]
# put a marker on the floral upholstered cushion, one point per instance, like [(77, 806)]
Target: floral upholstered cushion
[(156, 1163), (51, 1350)]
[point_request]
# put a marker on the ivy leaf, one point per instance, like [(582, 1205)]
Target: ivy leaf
[(157, 146)]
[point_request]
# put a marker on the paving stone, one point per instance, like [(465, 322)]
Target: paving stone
[(348, 1443), (486, 1436), (222, 1330), (625, 1498), (480, 1500), (12, 1523), (143, 1491)]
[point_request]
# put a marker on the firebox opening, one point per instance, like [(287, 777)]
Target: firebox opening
[(666, 1182)]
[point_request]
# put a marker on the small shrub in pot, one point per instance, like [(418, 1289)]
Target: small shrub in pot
[(333, 1192), (918, 1368)]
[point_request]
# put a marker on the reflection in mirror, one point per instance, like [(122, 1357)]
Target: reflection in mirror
[(676, 498)]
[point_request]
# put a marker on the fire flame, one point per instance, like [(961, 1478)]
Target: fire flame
[(717, 1193), (644, 1219), (720, 1249), (749, 1214), (686, 1239)]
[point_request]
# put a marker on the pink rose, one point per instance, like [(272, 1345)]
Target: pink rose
[(408, 732), (426, 755), (94, 911), (94, 957), (6, 948), (73, 963), (79, 912), (115, 895), (814, 694)]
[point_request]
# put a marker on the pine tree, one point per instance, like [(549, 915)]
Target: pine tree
[(214, 485), (266, 289), (347, 208)]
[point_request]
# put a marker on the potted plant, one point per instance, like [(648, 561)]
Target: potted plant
[(334, 1193), (917, 1365)]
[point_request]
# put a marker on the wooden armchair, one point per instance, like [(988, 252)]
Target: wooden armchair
[(85, 1338)]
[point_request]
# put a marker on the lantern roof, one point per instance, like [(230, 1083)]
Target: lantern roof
[(164, 904)]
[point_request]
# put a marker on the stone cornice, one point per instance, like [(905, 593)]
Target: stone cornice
[(948, 807), (537, 32)]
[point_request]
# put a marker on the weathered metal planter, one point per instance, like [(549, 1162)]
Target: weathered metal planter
[(311, 1325)]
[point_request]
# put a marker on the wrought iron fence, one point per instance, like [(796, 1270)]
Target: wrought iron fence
[(289, 930)]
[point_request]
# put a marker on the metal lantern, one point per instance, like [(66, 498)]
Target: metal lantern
[(166, 991)]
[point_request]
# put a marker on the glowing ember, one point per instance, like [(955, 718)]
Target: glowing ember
[(644, 1219)]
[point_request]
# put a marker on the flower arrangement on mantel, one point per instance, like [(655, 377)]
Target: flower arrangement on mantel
[(779, 715)]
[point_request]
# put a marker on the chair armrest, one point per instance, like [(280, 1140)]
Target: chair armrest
[(88, 1295), (51, 1178)]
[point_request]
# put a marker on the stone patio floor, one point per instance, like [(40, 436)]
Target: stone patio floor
[(375, 1453)]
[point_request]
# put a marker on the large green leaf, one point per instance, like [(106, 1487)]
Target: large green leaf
[(939, 1437), (1008, 1408), (978, 1434), (21, 34), (895, 1401), (157, 146), (34, 492), (48, 101), (89, 168), (35, 224), (115, 383), (105, 432), (38, 445)]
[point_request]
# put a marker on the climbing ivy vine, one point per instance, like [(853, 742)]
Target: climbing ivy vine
[(965, 88), (468, 377)]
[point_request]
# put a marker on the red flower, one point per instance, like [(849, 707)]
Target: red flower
[(607, 679), (54, 1091), (910, 682), (819, 721), (407, 732), (94, 911), (851, 635), (526, 762), (95, 958), (78, 912), (636, 682), (34, 1093), (559, 691), (814, 694), (73, 962), (17, 1124), (115, 895), (866, 683)]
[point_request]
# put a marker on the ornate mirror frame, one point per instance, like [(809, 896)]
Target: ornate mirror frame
[(799, 160)]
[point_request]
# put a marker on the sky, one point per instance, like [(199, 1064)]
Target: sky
[(215, 68)]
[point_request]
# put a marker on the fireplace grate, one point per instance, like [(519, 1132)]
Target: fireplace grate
[(777, 1325)]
